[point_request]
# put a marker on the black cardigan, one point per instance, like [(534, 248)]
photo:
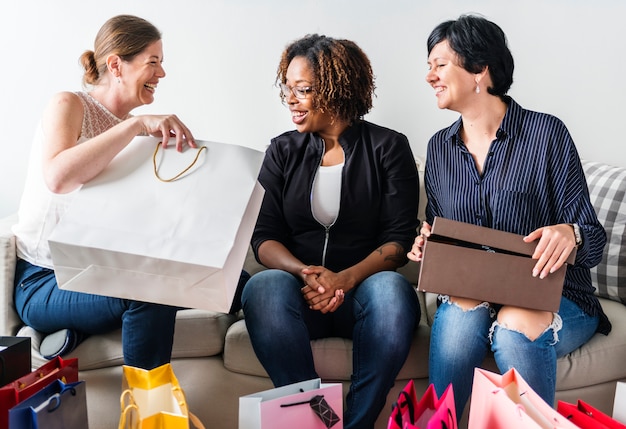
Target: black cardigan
[(379, 196)]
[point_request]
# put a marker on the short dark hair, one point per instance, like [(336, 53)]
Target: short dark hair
[(478, 43), (343, 77)]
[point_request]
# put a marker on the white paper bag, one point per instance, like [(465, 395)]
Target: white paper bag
[(619, 403), (290, 407), (127, 234)]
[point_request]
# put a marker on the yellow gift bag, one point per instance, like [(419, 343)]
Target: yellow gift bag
[(153, 399)]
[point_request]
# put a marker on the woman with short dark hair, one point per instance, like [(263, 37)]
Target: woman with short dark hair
[(511, 169)]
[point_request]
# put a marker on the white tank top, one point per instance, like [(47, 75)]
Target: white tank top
[(326, 194), (40, 210)]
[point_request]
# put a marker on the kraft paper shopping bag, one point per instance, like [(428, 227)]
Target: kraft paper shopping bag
[(24, 387), (154, 399), (309, 404), (585, 416), (142, 231), (57, 406), (427, 412), (507, 402)]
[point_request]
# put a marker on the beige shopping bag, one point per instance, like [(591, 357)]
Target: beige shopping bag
[(131, 234)]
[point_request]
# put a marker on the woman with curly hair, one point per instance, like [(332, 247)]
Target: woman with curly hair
[(338, 216)]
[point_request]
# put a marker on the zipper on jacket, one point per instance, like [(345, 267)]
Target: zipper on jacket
[(326, 227)]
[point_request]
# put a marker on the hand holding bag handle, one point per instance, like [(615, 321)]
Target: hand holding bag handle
[(156, 169)]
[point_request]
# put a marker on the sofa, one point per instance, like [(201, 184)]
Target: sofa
[(215, 363)]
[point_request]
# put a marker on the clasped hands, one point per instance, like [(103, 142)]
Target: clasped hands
[(553, 248), (323, 289)]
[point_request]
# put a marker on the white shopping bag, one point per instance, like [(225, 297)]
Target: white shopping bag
[(309, 404), (619, 403), (130, 235)]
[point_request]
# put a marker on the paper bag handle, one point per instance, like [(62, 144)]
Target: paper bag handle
[(127, 409), (156, 170), (182, 402)]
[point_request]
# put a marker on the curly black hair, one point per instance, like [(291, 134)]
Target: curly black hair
[(343, 83)]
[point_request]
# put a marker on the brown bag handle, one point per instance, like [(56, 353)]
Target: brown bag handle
[(156, 170)]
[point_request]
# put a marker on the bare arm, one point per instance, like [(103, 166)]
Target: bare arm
[(274, 254), (66, 165), (322, 285)]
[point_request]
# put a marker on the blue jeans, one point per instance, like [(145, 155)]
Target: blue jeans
[(379, 315), (147, 329), (461, 339)]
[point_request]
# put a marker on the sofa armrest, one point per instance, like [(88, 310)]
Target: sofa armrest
[(9, 320)]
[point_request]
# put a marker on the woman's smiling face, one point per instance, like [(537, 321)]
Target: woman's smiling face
[(453, 85), (304, 114), (143, 72)]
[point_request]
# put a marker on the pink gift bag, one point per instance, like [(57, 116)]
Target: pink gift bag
[(429, 412), (309, 404), (508, 402)]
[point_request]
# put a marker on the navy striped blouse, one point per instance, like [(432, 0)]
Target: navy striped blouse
[(532, 177)]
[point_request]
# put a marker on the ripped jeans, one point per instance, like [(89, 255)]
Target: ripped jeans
[(461, 339)]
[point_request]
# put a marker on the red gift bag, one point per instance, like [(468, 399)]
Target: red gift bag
[(429, 412), (507, 402), (587, 417), (31, 383)]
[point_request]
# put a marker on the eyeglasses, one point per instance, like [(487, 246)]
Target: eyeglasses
[(300, 92)]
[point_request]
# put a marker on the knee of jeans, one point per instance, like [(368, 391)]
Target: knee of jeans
[(270, 287), (387, 289), (554, 327), (445, 299)]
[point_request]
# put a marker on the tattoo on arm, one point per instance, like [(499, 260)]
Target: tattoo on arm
[(398, 256)]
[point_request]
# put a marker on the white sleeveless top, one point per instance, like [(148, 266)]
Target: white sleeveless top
[(40, 209), (326, 194)]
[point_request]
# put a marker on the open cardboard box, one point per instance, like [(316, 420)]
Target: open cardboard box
[(471, 261)]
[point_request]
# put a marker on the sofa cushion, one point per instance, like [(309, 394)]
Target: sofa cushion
[(332, 356), (599, 360), (198, 333), (607, 190), (9, 321)]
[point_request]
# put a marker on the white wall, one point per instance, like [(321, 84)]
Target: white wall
[(221, 58)]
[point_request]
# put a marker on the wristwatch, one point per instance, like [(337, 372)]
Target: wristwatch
[(577, 235)]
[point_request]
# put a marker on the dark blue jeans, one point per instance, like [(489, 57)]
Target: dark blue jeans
[(379, 315), (147, 329)]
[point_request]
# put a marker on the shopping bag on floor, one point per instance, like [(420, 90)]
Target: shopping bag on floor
[(15, 358), (56, 406), (619, 403), (585, 416), (507, 402), (309, 404), (133, 232), (428, 412), (29, 384), (153, 399)]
